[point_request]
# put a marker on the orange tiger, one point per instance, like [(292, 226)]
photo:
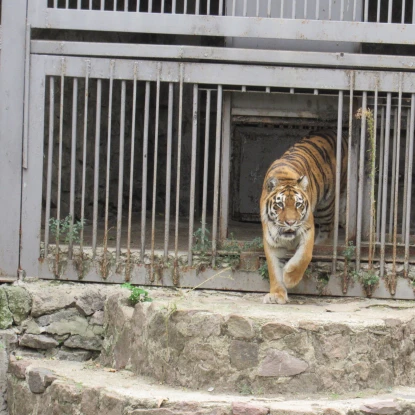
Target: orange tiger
[(298, 191)]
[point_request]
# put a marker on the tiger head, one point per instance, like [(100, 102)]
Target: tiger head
[(286, 208)]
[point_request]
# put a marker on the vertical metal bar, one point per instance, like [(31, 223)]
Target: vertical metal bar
[(409, 194), (138, 6), (366, 15), (107, 181), (380, 166), (233, 7), (85, 138), (268, 8), (349, 175), (168, 170), (413, 14), (185, 7), (361, 180), (293, 10), (126, 5), (390, 5), (96, 167), (405, 186), (378, 12), (78, 5), (372, 161), (163, 6), (342, 10), (58, 208), (208, 8), (403, 12), (225, 167), (205, 164), (155, 162), (282, 9), (73, 164), (115, 5), (216, 177), (150, 6), (144, 174), (197, 7), (120, 172), (354, 8), (178, 168), (66, 4), (305, 9), (173, 7), (102, 4), (385, 183), (392, 281), (392, 205), (338, 174), (26, 97), (90, 4), (193, 172), (50, 160), (130, 195), (318, 8), (55, 4), (245, 8), (330, 10)]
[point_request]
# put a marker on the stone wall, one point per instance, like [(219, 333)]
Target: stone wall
[(50, 319)]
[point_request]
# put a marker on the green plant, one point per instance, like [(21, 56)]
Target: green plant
[(263, 271), (349, 251), (138, 295), (202, 240), (66, 231), (368, 278), (256, 243)]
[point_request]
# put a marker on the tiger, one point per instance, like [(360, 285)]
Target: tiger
[(299, 193)]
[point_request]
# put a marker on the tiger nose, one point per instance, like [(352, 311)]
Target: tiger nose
[(290, 222)]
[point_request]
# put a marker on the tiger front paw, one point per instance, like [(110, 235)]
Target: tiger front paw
[(271, 298)]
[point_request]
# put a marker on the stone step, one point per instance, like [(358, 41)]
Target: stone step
[(236, 344), (65, 388)]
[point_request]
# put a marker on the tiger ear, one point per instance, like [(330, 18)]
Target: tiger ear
[(271, 184), (303, 182)]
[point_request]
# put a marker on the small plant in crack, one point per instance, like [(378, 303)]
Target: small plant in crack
[(138, 295), (66, 231)]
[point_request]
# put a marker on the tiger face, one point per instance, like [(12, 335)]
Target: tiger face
[(286, 209)]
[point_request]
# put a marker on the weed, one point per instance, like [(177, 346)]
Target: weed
[(138, 295), (368, 278), (66, 231), (202, 240), (255, 244), (349, 251), (245, 389), (263, 271)]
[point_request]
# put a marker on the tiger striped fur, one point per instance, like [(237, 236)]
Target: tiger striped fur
[(299, 192)]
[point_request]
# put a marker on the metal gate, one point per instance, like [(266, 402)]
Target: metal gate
[(129, 149)]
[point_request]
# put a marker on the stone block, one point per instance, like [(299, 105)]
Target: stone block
[(20, 302), (381, 408), (243, 354), (275, 331), (90, 302), (39, 379), (74, 355), (240, 327), (38, 341), (248, 409), (88, 343), (6, 317), (18, 367), (281, 364)]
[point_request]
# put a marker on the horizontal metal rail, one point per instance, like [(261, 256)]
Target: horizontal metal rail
[(225, 26), (280, 57), (234, 75)]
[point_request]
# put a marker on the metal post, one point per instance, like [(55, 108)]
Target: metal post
[(12, 72)]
